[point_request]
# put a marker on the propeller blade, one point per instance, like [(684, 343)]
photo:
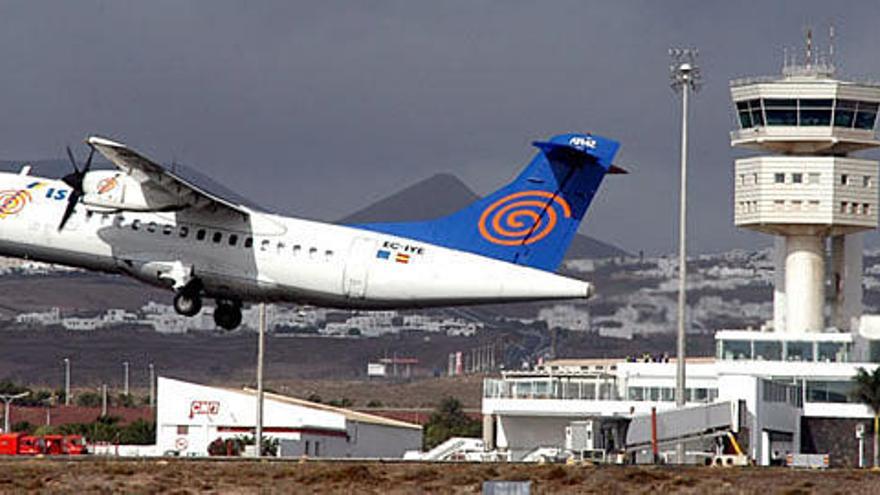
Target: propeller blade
[(72, 159), (88, 165), (72, 200)]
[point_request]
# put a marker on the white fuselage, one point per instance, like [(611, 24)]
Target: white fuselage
[(260, 256)]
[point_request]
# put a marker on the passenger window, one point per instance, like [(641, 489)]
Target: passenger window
[(218, 236), (233, 238), (136, 224), (184, 231), (249, 242), (200, 235)]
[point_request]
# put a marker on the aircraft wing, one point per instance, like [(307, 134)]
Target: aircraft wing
[(151, 175)]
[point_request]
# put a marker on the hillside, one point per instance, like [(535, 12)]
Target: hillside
[(443, 194)]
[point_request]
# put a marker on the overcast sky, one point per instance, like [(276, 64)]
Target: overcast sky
[(319, 108)]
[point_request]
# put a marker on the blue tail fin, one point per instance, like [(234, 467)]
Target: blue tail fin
[(532, 220)]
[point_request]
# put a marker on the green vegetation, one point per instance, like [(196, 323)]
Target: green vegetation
[(235, 446), (447, 421), (867, 391)]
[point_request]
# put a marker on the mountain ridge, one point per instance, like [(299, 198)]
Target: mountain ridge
[(443, 194)]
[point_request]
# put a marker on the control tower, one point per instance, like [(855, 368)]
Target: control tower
[(805, 187)]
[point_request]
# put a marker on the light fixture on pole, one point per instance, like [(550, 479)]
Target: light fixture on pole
[(261, 342), (7, 403), (685, 76), (66, 381)]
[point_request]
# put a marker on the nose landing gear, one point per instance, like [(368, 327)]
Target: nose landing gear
[(227, 314)]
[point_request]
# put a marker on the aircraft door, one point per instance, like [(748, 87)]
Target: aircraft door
[(354, 281)]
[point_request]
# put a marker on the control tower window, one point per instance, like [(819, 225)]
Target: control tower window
[(844, 113), (757, 114), (865, 116), (745, 118), (781, 111), (815, 112), (750, 113)]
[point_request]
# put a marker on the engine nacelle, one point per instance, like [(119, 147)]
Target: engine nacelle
[(113, 190)]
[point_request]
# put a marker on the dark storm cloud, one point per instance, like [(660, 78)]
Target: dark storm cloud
[(320, 108)]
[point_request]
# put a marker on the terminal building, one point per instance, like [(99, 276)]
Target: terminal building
[(786, 387)]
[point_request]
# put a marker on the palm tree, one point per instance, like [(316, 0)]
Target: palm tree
[(867, 391)]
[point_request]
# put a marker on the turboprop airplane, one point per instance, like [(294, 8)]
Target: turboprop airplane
[(148, 222)]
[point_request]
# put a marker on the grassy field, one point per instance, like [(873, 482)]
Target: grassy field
[(185, 476)]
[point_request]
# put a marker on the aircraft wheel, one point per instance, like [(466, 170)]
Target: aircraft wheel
[(227, 315), (187, 304)]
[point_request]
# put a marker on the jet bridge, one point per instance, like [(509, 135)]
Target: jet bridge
[(694, 425)]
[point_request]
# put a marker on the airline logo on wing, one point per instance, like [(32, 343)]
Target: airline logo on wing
[(522, 218), (13, 201)]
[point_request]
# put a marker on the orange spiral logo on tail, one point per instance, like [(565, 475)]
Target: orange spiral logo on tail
[(12, 202), (523, 217)]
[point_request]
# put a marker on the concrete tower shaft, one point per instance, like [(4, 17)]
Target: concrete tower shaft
[(805, 283)]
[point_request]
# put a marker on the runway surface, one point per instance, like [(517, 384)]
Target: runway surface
[(110, 475)]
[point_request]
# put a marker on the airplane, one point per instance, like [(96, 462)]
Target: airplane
[(148, 222)]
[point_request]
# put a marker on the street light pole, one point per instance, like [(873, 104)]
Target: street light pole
[(66, 381), (7, 403), (125, 378), (261, 343), (685, 78), (152, 384)]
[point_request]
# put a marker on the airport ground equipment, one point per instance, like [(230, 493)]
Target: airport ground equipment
[(21, 444), (810, 461)]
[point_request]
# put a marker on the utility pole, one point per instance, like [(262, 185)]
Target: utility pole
[(66, 381), (685, 78), (7, 404), (104, 400), (125, 378), (261, 343), (152, 384)]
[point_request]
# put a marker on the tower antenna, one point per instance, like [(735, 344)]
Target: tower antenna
[(831, 43), (809, 60)]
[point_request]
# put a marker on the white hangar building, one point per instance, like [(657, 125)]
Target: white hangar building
[(190, 416)]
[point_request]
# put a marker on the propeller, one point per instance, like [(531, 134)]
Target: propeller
[(75, 181)]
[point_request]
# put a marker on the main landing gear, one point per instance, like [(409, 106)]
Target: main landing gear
[(227, 314), (188, 302)]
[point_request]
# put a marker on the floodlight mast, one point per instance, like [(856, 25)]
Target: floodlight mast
[(685, 75)]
